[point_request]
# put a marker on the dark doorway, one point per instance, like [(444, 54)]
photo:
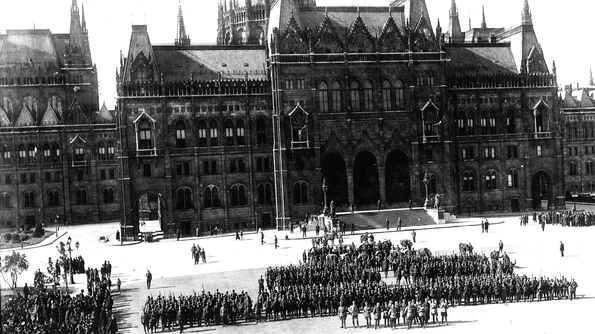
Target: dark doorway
[(541, 188), (265, 221), (186, 228), (515, 205), (398, 187), (365, 179), (333, 169)]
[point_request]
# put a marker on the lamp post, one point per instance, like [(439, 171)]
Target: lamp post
[(324, 190), (70, 263), (426, 182)]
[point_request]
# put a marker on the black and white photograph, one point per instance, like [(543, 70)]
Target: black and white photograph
[(330, 166)]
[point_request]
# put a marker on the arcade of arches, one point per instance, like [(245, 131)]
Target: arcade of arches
[(365, 181), (541, 190)]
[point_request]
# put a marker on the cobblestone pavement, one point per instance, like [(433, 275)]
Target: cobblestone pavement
[(237, 265)]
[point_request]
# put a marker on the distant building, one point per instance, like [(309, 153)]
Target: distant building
[(58, 148), (368, 98)]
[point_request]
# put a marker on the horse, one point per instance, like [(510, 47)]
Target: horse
[(466, 248)]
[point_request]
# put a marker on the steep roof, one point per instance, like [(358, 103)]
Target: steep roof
[(104, 116), (206, 62), (343, 17), (480, 58), (25, 45)]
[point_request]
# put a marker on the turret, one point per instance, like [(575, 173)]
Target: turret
[(527, 17), (181, 37), (76, 31), (454, 25)]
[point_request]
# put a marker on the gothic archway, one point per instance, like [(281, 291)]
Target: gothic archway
[(333, 169), (541, 189), (398, 187), (365, 179), (150, 208)]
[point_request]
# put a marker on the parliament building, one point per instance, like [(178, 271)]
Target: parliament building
[(381, 103)]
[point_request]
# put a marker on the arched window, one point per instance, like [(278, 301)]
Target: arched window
[(47, 152), (264, 193), (184, 199), (432, 186), (31, 152), (336, 96), (323, 97), (400, 95), (468, 181), (229, 133), (53, 198), (56, 152), (591, 131), (214, 133), (484, 123), (202, 133), (238, 195), (568, 131), (240, 132), (211, 197), (81, 196), (29, 199), (491, 180), (5, 201), (573, 169), (22, 154), (300, 192), (145, 136), (471, 123), (180, 134), (586, 131), (511, 122), (354, 94), (111, 150), (108, 195), (574, 131), (492, 123), (368, 96), (387, 96), (56, 104), (513, 179), (288, 83), (461, 124), (79, 154), (589, 167), (101, 151), (261, 131), (6, 159)]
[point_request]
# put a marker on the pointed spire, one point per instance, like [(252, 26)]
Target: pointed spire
[(181, 37), (453, 8), (84, 23), (76, 32), (74, 8), (591, 82), (527, 17), (358, 14), (390, 11), (454, 25), (483, 18)]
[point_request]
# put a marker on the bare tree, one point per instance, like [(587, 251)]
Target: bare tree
[(14, 265)]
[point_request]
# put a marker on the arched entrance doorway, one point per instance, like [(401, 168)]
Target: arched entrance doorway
[(398, 187), (333, 169), (365, 179), (541, 188), (150, 212)]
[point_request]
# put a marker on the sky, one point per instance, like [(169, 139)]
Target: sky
[(563, 28)]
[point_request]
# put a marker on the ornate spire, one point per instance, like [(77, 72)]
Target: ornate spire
[(76, 32), (483, 18), (181, 37), (591, 82), (84, 23), (454, 25), (527, 17), (453, 8), (74, 8)]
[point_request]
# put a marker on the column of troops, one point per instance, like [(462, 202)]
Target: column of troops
[(563, 218)]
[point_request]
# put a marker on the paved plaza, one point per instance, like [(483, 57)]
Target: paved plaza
[(237, 265)]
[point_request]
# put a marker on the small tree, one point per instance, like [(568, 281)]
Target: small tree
[(38, 233), (14, 265)]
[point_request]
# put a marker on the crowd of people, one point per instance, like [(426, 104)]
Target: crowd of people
[(205, 309), (563, 218), (41, 310)]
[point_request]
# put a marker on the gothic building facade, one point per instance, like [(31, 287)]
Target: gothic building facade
[(372, 99), (58, 149)]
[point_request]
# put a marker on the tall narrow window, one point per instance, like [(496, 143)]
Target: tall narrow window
[(468, 181), (368, 96), (180, 134), (211, 197), (202, 134), (47, 153), (145, 137), (229, 133), (400, 95), (336, 96), (6, 155), (471, 123), (111, 151), (264, 193), (101, 151), (513, 179), (300, 192), (387, 96), (511, 122), (354, 94), (29, 199), (491, 180), (323, 97), (81, 196), (184, 199), (31, 152), (56, 152), (214, 133), (261, 131), (238, 195), (240, 132), (108, 195)]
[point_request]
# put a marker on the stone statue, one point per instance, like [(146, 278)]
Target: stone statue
[(437, 202)]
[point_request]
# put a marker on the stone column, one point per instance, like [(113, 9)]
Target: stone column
[(382, 184), (350, 185)]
